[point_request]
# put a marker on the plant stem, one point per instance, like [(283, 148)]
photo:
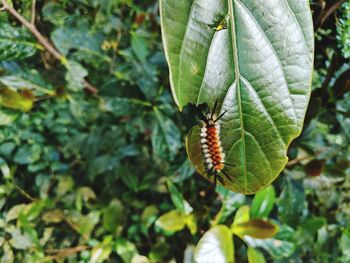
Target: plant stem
[(41, 39)]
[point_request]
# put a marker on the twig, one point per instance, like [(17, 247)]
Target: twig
[(25, 194), (63, 253), (33, 12), (42, 40), (300, 159), (326, 13)]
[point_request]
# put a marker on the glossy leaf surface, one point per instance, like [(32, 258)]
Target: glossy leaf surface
[(263, 202), (256, 58), (215, 246), (256, 228)]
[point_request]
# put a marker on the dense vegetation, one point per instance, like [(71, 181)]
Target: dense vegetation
[(92, 147)]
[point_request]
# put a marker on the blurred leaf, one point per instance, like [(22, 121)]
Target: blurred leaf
[(165, 137), (177, 198), (216, 245), (139, 259), (30, 81), (80, 38), (126, 250), (279, 247), (7, 256), (12, 99), (65, 184), (254, 256), (256, 228), (139, 46), (7, 117), (28, 154), (75, 75), (113, 216), (172, 221), (313, 224), (291, 204), (101, 252), (15, 43), (85, 224), (345, 245), (21, 241), (263, 202), (242, 215), (149, 215), (191, 223), (159, 251), (54, 13), (14, 212), (55, 216)]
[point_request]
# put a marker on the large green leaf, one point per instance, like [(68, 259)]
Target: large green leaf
[(216, 245), (256, 58)]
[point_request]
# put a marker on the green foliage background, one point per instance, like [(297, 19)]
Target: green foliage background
[(84, 175)]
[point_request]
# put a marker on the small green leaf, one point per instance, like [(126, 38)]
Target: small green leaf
[(15, 100), (7, 117), (280, 247), (55, 216), (14, 212), (159, 251), (21, 241), (149, 215), (345, 245), (242, 215), (172, 221), (8, 256), (254, 256), (75, 75), (216, 245), (139, 46), (178, 199), (291, 205), (65, 184), (263, 202), (256, 228), (125, 249), (28, 154), (113, 216), (191, 223), (166, 139), (101, 252)]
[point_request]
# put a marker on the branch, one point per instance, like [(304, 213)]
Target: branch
[(42, 40), (63, 253), (326, 13)]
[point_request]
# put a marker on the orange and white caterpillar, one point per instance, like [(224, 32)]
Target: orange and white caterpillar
[(213, 153)]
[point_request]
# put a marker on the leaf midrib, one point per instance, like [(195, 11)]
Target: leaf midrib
[(238, 85)]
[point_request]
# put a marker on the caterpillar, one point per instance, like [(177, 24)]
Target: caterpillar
[(212, 151)]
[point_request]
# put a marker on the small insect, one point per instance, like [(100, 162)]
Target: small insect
[(213, 153)]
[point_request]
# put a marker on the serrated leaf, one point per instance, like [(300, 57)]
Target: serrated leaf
[(256, 228), (256, 58), (216, 245), (263, 202)]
